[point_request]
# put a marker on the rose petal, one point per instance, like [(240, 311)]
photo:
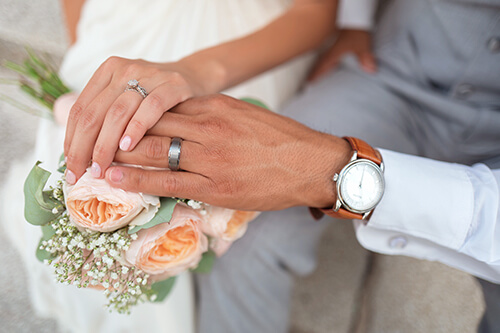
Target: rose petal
[(93, 204)]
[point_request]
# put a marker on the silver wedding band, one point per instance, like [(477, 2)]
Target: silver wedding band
[(174, 154), (133, 85)]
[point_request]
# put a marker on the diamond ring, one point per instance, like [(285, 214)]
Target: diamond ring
[(133, 85)]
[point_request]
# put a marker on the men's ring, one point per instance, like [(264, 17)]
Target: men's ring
[(174, 154), (133, 85)]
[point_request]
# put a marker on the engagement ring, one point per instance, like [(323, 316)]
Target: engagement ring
[(133, 85)]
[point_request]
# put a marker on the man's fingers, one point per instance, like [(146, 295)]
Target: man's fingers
[(367, 62), (163, 183), (115, 121), (153, 151), (322, 68), (161, 99), (176, 125), (327, 62)]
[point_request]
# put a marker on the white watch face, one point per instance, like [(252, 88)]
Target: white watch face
[(361, 186)]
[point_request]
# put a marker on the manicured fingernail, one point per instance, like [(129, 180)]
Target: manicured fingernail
[(65, 159), (125, 143), (70, 177), (115, 175), (95, 170)]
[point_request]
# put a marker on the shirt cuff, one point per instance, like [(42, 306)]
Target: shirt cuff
[(356, 14), (425, 198)]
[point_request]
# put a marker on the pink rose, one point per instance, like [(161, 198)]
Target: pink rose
[(62, 106), (169, 248), (93, 204)]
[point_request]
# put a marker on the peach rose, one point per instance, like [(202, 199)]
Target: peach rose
[(226, 224), (169, 248), (93, 204), (219, 246)]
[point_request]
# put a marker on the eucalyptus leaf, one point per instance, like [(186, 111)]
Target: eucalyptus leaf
[(47, 233), (62, 167), (163, 215), (43, 255), (38, 204), (162, 289), (254, 102), (206, 263)]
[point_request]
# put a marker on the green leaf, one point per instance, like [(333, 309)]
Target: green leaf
[(31, 71), (62, 168), (48, 88), (206, 263), (15, 67), (254, 102), (43, 255), (163, 215), (47, 233), (161, 289), (38, 204)]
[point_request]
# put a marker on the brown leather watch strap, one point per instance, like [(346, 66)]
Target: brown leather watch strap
[(340, 214), (364, 151)]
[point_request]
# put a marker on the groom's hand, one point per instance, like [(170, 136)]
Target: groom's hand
[(235, 155)]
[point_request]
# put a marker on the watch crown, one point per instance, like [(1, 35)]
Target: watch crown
[(335, 177)]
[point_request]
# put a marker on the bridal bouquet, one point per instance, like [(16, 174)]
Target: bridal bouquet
[(130, 245)]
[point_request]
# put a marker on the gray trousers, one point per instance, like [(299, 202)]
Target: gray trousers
[(415, 104)]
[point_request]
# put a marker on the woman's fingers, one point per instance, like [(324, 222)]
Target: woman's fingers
[(106, 118), (115, 121), (162, 183), (85, 134), (99, 81), (170, 92), (153, 151)]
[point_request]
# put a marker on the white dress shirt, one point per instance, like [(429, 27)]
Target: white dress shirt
[(356, 14), (438, 211)]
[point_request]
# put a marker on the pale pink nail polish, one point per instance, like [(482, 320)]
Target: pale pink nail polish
[(70, 177), (95, 170), (116, 175), (125, 143)]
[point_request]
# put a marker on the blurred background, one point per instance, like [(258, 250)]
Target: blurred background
[(353, 290)]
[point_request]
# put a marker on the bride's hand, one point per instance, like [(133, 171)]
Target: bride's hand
[(107, 117)]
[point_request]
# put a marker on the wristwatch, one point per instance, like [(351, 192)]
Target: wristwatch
[(360, 184)]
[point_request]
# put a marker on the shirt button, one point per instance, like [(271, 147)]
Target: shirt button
[(398, 242), (494, 44), (464, 90)]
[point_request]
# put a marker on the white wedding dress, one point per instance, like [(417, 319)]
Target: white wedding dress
[(155, 30)]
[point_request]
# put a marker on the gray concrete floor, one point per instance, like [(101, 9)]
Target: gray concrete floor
[(352, 290)]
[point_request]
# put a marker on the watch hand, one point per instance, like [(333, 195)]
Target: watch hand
[(362, 175)]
